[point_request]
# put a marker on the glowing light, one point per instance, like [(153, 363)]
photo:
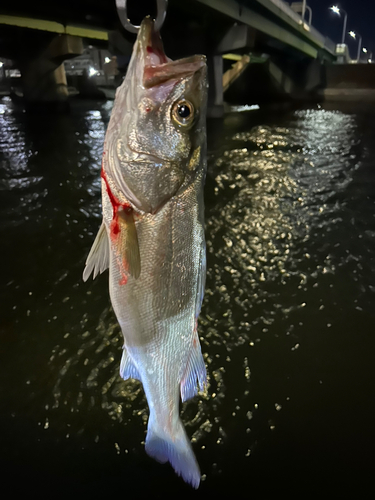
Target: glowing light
[(352, 34), (335, 9), (107, 60), (92, 71), (244, 107), (364, 50)]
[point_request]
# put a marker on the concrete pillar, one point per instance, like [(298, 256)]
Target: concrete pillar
[(237, 37), (215, 107), (43, 76), (43, 81), (314, 75)]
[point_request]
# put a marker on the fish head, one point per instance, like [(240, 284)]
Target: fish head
[(158, 122)]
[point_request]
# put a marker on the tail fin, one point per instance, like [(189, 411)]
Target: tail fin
[(175, 449)]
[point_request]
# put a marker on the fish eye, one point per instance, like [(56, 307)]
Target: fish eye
[(183, 113)]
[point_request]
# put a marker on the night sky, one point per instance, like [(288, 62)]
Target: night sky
[(361, 19)]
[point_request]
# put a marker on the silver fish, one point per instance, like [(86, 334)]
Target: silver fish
[(152, 235)]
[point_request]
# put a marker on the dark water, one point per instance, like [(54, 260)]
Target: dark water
[(287, 325)]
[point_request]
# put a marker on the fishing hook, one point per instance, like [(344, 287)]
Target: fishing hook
[(123, 15)]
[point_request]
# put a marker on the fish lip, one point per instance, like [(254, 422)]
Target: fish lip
[(157, 67), (150, 43), (172, 70)]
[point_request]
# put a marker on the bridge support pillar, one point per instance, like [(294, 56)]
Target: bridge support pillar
[(237, 37), (279, 80), (215, 107), (44, 82), (43, 77)]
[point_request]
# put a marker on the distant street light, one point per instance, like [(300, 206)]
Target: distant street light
[(354, 35), (365, 51), (338, 11), (92, 71)]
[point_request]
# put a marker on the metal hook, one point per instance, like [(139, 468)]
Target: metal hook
[(122, 14)]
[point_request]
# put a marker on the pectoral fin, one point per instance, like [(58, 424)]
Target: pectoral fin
[(98, 258), (129, 248)]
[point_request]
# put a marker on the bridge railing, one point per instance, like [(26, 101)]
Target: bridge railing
[(287, 10), (325, 41)]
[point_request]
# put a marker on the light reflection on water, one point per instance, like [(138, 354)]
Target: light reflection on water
[(288, 256)]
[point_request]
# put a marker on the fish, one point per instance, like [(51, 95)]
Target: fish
[(152, 236)]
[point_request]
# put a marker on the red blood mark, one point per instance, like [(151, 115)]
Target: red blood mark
[(147, 109), (115, 226), (150, 50), (123, 280), (114, 201)]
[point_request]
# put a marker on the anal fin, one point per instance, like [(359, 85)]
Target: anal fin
[(98, 259), (127, 367), (195, 374)]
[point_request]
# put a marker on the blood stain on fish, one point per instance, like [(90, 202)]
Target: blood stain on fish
[(123, 280), (116, 205)]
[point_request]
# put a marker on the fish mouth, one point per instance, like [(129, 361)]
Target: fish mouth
[(158, 68)]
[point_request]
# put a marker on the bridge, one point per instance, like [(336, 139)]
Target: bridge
[(39, 35)]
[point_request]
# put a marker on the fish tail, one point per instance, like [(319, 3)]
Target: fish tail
[(175, 449)]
